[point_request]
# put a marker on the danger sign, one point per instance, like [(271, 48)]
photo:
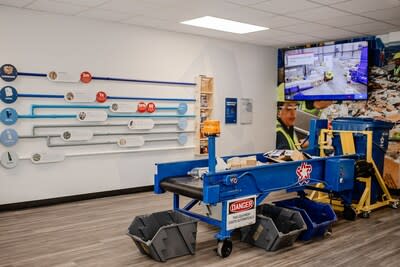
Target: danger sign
[(241, 212)]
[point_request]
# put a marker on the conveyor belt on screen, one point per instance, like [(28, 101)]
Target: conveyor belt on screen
[(186, 186)]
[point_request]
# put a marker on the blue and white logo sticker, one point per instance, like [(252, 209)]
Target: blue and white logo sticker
[(8, 94), (182, 123), (8, 72), (182, 139), (9, 137), (182, 108), (8, 116)]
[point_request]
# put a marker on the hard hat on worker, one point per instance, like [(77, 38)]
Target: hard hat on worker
[(397, 55)]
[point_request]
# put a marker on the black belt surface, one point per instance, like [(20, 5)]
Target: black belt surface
[(186, 186)]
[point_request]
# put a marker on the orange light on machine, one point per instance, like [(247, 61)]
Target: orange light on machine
[(211, 128)]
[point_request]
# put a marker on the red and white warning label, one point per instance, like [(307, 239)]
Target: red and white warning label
[(241, 212)]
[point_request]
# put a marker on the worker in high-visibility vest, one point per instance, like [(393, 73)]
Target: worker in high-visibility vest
[(286, 137), (394, 75)]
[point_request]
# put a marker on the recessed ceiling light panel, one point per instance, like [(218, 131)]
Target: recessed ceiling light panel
[(223, 25)]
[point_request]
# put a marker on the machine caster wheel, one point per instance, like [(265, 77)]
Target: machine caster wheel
[(224, 248), (394, 205), (349, 213), (328, 232), (365, 214)]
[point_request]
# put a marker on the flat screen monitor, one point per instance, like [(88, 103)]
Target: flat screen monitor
[(330, 72)]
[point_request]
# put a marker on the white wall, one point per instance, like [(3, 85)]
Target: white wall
[(39, 42)]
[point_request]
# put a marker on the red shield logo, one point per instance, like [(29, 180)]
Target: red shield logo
[(304, 173)]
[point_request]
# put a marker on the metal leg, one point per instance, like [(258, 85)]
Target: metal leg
[(191, 204), (176, 201)]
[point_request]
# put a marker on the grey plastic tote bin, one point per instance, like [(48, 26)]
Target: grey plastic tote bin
[(164, 235), (275, 228)]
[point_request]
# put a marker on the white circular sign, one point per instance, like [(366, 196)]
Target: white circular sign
[(9, 159)]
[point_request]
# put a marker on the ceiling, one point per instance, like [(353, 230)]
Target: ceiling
[(290, 21)]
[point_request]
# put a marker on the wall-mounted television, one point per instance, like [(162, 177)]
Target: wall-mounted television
[(330, 72)]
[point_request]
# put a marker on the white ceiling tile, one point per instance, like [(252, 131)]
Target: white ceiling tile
[(345, 21), (334, 34), (134, 7), (305, 28), (285, 6), (165, 3), (393, 21), (174, 14), (214, 8), (281, 21), (298, 38), (384, 14), (367, 28), (210, 33), (361, 6), (245, 2), (88, 3), (317, 14), (328, 2), (104, 15), (15, 3), (56, 7), (273, 34), (380, 32)]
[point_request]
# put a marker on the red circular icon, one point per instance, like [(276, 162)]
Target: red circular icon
[(141, 107), (101, 97), (86, 77), (151, 107)]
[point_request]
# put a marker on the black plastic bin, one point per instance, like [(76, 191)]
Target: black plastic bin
[(275, 228), (164, 235), (319, 217)]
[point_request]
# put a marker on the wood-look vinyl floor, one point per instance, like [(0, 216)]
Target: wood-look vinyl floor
[(93, 233)]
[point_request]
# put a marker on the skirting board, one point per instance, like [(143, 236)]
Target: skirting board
[(66, 199)]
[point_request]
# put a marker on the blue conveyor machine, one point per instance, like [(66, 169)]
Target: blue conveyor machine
[(234, 194)]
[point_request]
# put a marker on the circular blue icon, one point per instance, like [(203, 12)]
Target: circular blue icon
[(9, 137), (182, 138), (8, 116), (8, 72), (182, 123), (182, 108), (8, 94)]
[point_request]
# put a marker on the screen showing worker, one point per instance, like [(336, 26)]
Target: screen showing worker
[(331, 72)]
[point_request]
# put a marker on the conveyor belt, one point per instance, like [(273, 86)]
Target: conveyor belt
[(186, 186)]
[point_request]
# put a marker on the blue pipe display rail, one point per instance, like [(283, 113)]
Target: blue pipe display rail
[(34, 74), (9, 94), (9, 116)]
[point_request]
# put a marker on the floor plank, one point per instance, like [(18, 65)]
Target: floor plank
[(93, 233)]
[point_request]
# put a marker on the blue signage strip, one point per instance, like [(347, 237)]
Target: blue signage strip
[(231, 110)]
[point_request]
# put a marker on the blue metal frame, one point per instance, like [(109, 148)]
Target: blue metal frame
[(223, 186)]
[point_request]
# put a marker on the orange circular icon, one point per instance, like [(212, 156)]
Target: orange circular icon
[(86, 77), (141, 107), (101, 97), (151, 107)]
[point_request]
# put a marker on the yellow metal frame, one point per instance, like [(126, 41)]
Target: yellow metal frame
[(364, 203)]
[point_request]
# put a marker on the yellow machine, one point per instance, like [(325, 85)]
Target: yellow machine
[(363, 205)]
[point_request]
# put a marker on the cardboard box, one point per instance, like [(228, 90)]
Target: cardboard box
[(391, 173)]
